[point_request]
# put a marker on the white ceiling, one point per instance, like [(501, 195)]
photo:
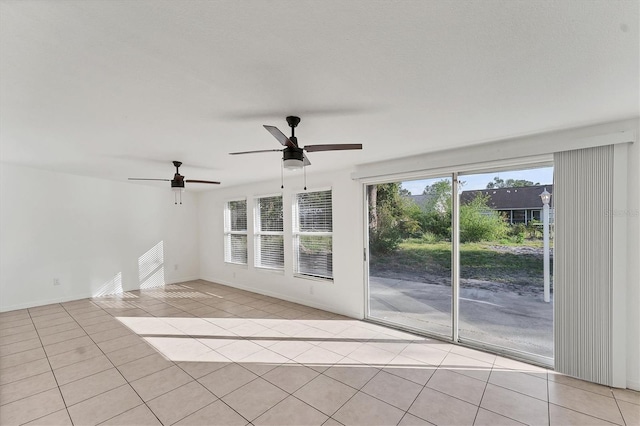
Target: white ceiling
[(120, 88)]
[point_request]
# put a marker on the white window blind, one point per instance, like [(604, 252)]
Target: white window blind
[(235, 232), (269, 235), (312, 234)]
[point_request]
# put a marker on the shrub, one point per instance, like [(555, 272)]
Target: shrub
[(479, 223), (430, 238), (534, 228), (438, 224)]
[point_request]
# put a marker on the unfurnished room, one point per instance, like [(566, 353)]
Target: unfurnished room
[(340, 212)]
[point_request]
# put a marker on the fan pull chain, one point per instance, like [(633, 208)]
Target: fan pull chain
[(180, 197), (282, 174), (175, 198), (304, 172)]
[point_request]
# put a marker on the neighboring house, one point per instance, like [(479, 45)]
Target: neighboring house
[(518, 204)]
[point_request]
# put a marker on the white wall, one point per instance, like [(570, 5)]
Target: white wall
[(85, 231), (345, 295), (633, 265)]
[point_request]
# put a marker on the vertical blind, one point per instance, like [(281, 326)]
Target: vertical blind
[(235, 238), (583, 263), (269, 235), (312, 234)]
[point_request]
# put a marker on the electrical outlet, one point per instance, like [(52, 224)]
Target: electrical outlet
[(56, 281), (311, 290)]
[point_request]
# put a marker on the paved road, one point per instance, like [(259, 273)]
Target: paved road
[(524, 323)]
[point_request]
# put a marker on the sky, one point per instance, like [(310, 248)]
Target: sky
[(543, 175)]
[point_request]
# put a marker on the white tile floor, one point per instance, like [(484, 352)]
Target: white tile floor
[(199, 353)]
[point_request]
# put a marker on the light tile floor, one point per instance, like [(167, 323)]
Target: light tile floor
[(199, 353)]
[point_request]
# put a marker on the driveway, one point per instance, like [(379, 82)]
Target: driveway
[(502, 318)]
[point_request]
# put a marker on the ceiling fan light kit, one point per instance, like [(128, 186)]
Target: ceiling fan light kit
[(178, 181), (293, 156)]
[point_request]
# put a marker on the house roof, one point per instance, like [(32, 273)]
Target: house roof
[(526, 197), (421, 199)]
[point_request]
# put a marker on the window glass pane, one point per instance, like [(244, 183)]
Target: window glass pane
[(410, 253), (237, 248), (269, 240), (270, 251), (314, 212), (518, 216), (502, 269), (270, 214), (238, 215), (315, 255)]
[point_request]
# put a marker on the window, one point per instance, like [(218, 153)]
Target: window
[(269, 236), (235, 232), (312, 234)]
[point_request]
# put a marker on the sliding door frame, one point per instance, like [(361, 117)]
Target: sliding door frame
[(454, 174)]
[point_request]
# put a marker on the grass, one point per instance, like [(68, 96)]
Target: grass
[(478, 261)]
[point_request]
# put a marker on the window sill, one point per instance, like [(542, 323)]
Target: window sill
[(313, 278), (270, 270)]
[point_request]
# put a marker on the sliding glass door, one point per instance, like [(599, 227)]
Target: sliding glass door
[(503, 290), (410, 254), (503, 300)]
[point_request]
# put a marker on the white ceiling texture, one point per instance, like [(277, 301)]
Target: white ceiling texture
[(115, 89)]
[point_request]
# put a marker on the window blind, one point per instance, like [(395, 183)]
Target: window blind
[(583, 263), (235, 239), (313, 234), (269, 235)]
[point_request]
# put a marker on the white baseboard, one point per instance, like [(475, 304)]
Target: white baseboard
[(43, 302), (182, 280), (633, 384), (286, 297), (64, 299)]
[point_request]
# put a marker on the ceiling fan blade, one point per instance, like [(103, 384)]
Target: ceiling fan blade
[(280, 136), (165, 180), (306, 161), (254, 152), (333, 147), (202, 181)]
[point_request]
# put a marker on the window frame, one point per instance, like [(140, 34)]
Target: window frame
[(258, 232), (229, 232), (296, 234)]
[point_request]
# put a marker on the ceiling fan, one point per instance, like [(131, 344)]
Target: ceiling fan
[(293, 156), (177, 183)]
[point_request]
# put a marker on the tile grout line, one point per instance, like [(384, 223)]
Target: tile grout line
[(54, 378), (124, 378), (486, 384), (105, 355), (247, 304)]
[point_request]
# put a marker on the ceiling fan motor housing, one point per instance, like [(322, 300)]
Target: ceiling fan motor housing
[(291, 153), (177, 181)]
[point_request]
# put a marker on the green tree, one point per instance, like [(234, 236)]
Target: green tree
[(509, 183), (436, 218), (385, 210)]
